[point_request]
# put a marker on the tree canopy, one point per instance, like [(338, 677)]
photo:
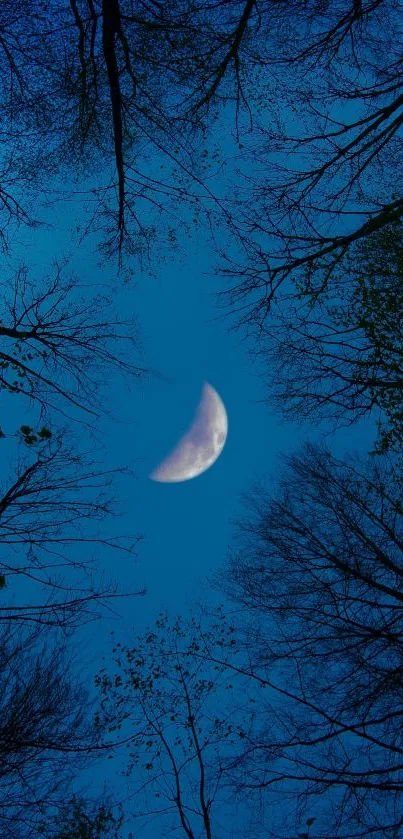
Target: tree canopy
[(279, 127), (337, 354)]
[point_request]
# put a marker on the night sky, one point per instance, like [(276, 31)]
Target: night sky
[(186, 340)]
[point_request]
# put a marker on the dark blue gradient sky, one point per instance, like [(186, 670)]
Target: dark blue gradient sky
[(186, 340)]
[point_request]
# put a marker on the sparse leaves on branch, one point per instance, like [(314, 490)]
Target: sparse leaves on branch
[(46, 735), (338, 354), (317, 572), (58, 347), (55, 511), (184, 721)]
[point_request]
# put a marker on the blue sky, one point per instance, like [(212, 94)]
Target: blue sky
[(186, 339), (186, 526)]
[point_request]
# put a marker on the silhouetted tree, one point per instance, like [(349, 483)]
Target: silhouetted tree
[(339, 354), (79, 818), (184, 720), (100, 81), (319, 173), (46, 735), (92, 83), (52, 514), (59, 348), (318, 570)]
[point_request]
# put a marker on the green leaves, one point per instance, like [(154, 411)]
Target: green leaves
[(30, 437), (79, 819)]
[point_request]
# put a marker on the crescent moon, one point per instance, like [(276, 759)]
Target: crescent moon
[(201, 445)]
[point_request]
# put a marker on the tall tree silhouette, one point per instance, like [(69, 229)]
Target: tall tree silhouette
[(339, 355), (318, 174), (57, 344), (102, 82), (46, 732), (52, 517), (184, 719), (318, 569)]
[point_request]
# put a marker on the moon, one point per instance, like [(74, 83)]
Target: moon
[(201, 445)]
